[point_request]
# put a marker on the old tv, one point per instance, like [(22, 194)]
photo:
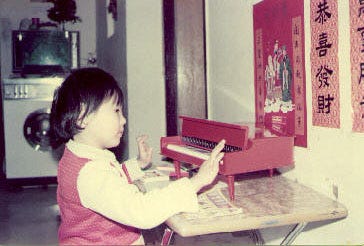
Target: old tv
[(45, 51)]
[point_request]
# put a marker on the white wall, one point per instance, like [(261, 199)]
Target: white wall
[(333, 157), (145, 71), (228, 48)]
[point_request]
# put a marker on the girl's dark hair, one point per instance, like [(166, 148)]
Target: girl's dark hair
[(83, 91)]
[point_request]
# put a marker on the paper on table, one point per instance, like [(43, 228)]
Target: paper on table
[(213, 204), (153, 176), (152, 179)]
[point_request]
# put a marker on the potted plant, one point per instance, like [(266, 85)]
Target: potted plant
[(63, 11)]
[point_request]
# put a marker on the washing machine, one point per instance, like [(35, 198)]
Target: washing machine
[(31, 154)]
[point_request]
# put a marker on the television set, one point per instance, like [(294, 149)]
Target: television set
[(45, 52)]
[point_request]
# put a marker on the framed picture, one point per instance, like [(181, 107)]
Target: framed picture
[(280, 97)]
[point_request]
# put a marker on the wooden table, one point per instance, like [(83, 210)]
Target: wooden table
[(266, 202)]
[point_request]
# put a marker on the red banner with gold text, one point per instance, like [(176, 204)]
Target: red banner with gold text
[(325, 63), (357, 63)]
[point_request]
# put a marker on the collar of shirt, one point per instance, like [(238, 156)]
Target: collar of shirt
[(90, 152)]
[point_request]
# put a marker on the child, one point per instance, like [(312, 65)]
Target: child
[(98, 203)]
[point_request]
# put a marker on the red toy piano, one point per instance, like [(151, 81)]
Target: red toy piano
[(262, 151)]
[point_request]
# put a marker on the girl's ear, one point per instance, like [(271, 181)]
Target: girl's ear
[(82, 122), (83, 119)]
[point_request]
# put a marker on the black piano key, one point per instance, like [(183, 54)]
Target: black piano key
[(207, 144)]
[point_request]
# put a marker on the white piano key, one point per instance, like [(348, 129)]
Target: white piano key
[(189, 150)]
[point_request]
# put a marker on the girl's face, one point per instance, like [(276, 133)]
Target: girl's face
[(104, 127)]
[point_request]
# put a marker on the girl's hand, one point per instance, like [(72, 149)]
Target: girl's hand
[(145, 152), (209, 169)]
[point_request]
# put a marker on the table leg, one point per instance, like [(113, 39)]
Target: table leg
[(256, 237), (167, 236), (293, 233)]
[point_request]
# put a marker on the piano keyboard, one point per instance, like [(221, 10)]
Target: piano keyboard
[(189, 150), (208, 144)]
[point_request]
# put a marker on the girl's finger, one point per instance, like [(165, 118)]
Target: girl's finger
[(219, 147)]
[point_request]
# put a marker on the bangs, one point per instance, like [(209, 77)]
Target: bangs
[(114, 95)]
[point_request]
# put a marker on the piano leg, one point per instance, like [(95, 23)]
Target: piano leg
[(230, 181), (177, 171), (177, 168)]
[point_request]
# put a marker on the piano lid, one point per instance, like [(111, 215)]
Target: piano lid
[(195, 129)]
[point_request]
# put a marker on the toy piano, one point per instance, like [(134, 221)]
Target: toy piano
[(262, 151)]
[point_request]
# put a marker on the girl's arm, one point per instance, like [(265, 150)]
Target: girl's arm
[(104, 191)]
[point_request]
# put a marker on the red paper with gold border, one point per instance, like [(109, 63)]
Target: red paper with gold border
[(357, 63), (325, 63), (280, 86)]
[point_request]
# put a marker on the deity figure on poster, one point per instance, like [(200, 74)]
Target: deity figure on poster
[(278, 78), (285, 75), (277, 54), (270, 78)]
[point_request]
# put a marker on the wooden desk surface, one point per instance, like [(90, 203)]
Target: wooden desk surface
[(266, 202)]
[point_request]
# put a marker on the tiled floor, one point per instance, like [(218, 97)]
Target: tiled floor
[(29, 216)]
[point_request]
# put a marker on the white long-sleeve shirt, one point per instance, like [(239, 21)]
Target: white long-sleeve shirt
[(103, 187)]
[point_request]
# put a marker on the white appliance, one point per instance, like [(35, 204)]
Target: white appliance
[(26, 109)]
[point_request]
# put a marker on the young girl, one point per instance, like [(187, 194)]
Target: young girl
[(98, 202)]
